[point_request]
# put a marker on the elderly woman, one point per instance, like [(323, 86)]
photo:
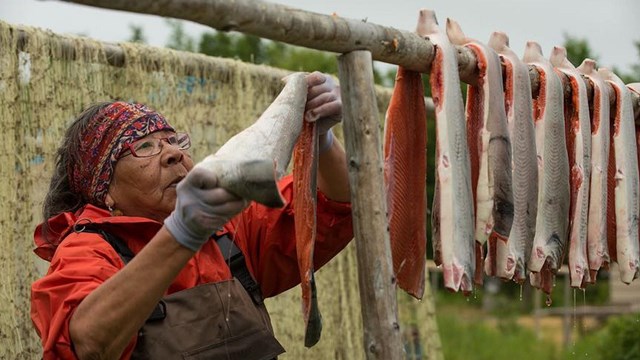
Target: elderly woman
[(144, 253)]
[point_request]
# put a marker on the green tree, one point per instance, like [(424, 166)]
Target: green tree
[(137, 34), (578, 49), (178, 38), (633, 75)]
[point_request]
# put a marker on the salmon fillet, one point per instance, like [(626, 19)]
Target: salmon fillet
[(405, 168)]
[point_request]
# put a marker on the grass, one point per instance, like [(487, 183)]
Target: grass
[(470, 337)]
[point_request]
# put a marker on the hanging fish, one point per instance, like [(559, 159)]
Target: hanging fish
[(626, 180), (305, 170), (597, 248), (489, 151), (635, 88), (578, 136), (509, 259), (452, 213), (405, 168), (250, 163), (553, 173)]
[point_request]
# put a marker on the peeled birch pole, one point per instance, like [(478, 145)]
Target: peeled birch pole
[(315, 31), (382, 337)]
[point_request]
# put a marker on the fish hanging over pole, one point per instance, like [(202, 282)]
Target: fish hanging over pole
[(552, 221), (405, 168), (597, 248), (627, 186), (489, 150), (452, 212), (578, 136), (509, 259)]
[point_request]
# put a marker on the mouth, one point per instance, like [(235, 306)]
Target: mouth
[(175, 182)]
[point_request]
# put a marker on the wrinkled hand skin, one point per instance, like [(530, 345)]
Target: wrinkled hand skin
[(324, 104)]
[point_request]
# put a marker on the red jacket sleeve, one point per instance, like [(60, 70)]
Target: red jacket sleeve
[(267, 238), (81, 263)]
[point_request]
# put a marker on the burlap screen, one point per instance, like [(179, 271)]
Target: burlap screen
[(46, 79)]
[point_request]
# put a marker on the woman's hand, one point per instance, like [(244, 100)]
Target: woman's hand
[(201, 208), (324, 104)]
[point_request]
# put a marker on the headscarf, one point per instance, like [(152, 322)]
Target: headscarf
[(101, 143)]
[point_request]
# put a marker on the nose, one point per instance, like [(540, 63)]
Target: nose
[(171, 154)]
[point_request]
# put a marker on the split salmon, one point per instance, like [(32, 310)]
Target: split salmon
[(489, 151), (597, 248), (627, 184), (553, 173), (452, 212), (509, 259), (635, 88), (405, 168), (578, 136), (250, 163), (305, 165)]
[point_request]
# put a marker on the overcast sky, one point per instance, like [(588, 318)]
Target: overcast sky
[(610, 26)]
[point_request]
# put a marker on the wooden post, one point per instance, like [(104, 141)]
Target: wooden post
[(382, 337)]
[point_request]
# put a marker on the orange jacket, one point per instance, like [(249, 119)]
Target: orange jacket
[(83, 261)]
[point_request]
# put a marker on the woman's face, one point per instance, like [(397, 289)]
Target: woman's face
[(146, 187)]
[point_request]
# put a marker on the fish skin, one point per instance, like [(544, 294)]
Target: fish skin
[(489, 149), (627, 185), (250, 163), (305, 170), (512, 256), (405, 168), (578, 135), (452, 215), (597, 247), (550, 238)]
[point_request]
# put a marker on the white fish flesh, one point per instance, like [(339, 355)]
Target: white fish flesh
[(489, 150), (597, 247), (626, 180), (512, 256), (578, 136), (452, 213), (553, 173), (250, 163)]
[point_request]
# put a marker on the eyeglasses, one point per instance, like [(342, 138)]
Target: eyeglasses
[(150, 147)]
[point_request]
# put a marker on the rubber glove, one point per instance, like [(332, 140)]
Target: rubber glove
[(201, 208), (324, 106)]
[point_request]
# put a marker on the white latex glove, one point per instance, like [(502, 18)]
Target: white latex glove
[(324, 104), (201, 208)]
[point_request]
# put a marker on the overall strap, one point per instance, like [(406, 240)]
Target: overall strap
[(234, 258), (159, 312)]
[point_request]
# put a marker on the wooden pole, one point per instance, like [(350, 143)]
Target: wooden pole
[(382, 337), (315, 31)]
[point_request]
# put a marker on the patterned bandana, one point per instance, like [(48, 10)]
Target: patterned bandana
[(102, 142)]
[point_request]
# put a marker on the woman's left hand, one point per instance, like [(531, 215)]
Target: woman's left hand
[(324, 104)]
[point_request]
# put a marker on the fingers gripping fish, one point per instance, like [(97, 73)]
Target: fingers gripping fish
[(553, 173), (452, 215), (405, 168), (626, 180), (489, 149), (509, 259), (578, 136), (597, 248), (250, 163)]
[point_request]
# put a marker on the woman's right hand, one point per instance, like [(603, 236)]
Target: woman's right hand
[(201, 208)]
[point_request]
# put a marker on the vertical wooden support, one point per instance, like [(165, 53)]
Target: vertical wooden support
[(382, 337)]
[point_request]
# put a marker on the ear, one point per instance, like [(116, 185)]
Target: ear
[(109, 201)]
